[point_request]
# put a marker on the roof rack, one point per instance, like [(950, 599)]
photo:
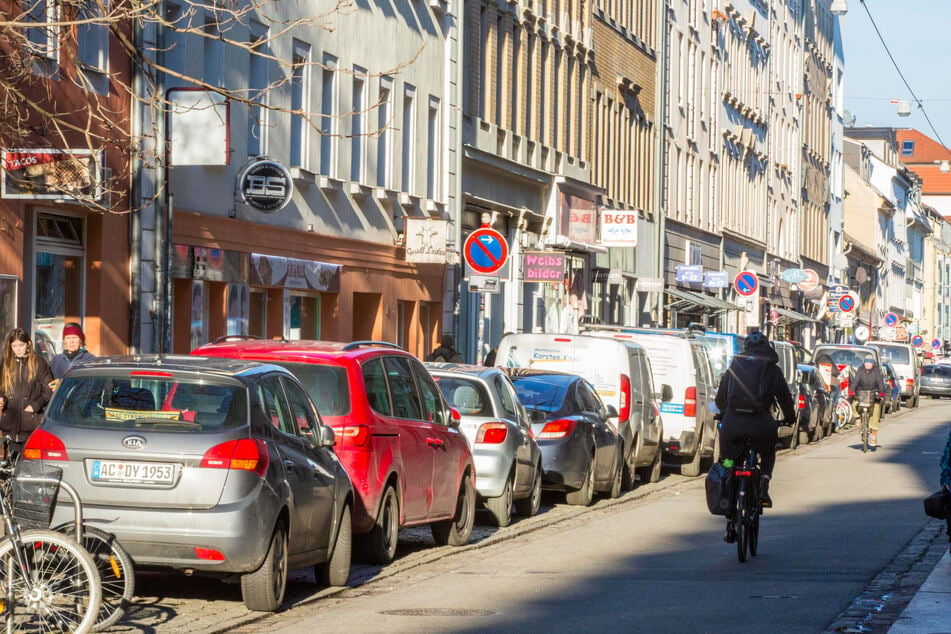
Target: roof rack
[(236, 338), (353, 345)]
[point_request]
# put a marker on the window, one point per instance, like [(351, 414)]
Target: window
[(358, 124), (299, 91), (374, 380), (275, 412), (328, 116), (42, 41), (409, 138), (506, 395), (302, 413), (399, 378), (59, 274), (434, 410), (433, 151), (92, 40), (907, 148), (258, 80), (383, 143)]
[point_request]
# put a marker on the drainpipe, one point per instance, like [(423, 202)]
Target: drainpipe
[(454, 290), (660, 201), (135, 203)]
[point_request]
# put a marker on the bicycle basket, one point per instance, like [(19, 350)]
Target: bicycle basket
[(33, 500), (865, 398)]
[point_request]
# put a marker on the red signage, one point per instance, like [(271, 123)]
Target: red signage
[(544, 266)]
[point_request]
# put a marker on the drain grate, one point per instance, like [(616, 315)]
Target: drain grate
[(438, 612)]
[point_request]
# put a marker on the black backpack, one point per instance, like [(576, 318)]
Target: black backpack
[(746, 392)]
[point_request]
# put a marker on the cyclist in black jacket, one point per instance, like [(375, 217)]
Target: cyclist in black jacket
[(869, 377), (747, 391)]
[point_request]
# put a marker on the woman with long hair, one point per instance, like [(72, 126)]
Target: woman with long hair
[(24, 388)]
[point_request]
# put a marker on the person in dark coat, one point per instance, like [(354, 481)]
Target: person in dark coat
[(446, 351), (869, 377), (74, 351), (24, 388), (747, 391), (944, 479)]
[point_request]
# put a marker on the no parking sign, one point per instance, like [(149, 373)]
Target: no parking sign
[(917, 341)]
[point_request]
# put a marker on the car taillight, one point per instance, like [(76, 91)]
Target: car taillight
[(625, 410), (356, 435), (802, 401), (690, 402), (910, 383), (244, 454), (557, 429), (492, 433), (43, 445), (209, 554)]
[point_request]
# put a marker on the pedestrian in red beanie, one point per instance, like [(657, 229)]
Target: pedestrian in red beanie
[(74, 351)]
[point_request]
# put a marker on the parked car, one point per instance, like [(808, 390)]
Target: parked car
[(397, 437), (679, 359), (815, 405), (209, 466), (581, 448), (788, 361), (846, 358), (721, 348), (904, 358), (892, 401), (619, 370), (506, 456), (936, 380)]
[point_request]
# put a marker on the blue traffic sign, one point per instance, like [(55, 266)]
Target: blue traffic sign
[(846, 303), (917, 341), (936, 343), (891, 319), (486, 250), (746, 283)]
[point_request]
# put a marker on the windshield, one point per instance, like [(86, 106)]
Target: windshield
[(127, 400), (537, 393), (843, 355), (895, 354)]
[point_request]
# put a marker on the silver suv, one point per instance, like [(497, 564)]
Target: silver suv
[(204, 465)]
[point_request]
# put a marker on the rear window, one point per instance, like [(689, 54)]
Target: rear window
[(470, 398), (939, 370), (842, 355), (537, 393), (895, 354), (327, 386), (131, 401), (667, 359)]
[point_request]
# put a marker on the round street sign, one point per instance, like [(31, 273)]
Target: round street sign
[(891, 319), (917, 341), (847, 303), (746, 282), (485, 250), (861, 332), (810, 282), (936, 343)]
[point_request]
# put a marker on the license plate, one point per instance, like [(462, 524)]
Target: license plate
[(132, 472)]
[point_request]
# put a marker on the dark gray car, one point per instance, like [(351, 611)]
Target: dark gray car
[(211, 466), (507, 459)]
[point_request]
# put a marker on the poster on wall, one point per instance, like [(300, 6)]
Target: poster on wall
[(51, 174), (579, 219), (277, 272), (239, 308), (198, 322)]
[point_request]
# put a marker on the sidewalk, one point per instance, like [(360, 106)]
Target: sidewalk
[(930, 609)]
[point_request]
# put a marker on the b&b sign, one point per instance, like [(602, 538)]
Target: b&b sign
[(618, 228)]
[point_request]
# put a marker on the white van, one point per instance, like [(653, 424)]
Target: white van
[(680, 360), (904, 358), (621, 374)]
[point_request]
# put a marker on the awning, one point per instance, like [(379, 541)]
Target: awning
[(792, 316), (707, 302)]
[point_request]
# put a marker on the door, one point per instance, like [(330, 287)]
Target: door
[(447, 445), (604, 434), (416, 452), (650, 420), (515, 411)]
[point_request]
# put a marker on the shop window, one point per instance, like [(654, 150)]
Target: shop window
[(304, 317)]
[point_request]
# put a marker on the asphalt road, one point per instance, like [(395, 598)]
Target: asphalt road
[(842, 551)]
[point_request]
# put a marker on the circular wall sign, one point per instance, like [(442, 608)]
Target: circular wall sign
[(265, 185)]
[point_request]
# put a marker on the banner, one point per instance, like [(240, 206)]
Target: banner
[(51, 174)]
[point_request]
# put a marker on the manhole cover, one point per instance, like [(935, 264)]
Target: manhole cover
[(437, 612)]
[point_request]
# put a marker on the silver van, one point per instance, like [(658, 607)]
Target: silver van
[(621, 374), (904, 358)]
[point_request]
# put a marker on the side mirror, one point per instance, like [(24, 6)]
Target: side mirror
[(535, 416), (455, 418), (612, 412), (327, 436), (666, 393)]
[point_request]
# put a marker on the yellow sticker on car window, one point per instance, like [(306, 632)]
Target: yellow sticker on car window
[(113, 413)]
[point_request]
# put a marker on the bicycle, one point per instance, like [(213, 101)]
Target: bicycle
[(747, 506), (48, 582), (864, 404)]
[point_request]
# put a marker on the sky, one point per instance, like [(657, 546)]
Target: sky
[(917, 33)]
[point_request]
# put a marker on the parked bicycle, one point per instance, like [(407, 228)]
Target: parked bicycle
[(747, 505), (48, 582), (864, 404)]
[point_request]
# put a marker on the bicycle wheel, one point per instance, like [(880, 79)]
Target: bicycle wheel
[(755, 510), (61, 592), (115, 572), (864, 431), (742, 533)]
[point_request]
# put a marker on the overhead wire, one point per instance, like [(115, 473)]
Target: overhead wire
[(902, 75)]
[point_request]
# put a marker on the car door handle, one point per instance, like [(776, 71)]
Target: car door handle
[(434, 442), (290, 465)]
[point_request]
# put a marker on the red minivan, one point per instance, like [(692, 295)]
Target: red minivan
[(396, 436)]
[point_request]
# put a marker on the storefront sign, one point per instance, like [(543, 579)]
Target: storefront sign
[(544, 266), (211, 265), (277, 272), (618, 228), (716, 279), (265, 185), (649, 284), (579, 219), (690, 273), (425, 240), (52, 174)]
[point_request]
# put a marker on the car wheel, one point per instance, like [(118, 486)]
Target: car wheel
[(627, 476), (456, 531), (915, 403), (528, 507), (816, 434), (500, 508), (263, 589), (584, 495), (335, 571), (379, 545)]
